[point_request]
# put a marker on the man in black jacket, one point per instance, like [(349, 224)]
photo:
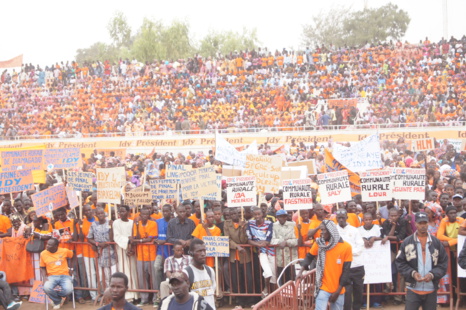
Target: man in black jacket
[(118, 288), (423, 261)]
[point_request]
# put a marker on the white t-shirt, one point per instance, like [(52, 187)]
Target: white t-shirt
[(373, 232), (204, 285)]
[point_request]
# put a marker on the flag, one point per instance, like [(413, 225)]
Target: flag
[(331, 164), (13, 62)]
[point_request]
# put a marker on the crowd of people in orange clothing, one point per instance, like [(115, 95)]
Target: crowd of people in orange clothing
[(402, 83)]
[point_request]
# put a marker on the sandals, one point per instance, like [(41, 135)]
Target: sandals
[(81, 301)]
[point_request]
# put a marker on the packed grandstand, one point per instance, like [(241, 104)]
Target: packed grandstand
[(389, 85)]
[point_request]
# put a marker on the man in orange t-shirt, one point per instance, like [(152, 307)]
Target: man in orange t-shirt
[(207, 229), (145, 231), (196, 217), (334, 257)]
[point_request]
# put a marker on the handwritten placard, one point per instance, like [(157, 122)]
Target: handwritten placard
[(37, 293), (72, 197), (109, 183), (376, 185), (16, 181), (334, 187), (79, 181), (67, 158), (207, 180), (23, 160), (50, 199), (189, 182), (241, 191), (427, 144), (163, 188), (217, 246), (267, 170), (297, 194), (377, 263), (173, 171), (138, 197), (408, 183), (217, 195)]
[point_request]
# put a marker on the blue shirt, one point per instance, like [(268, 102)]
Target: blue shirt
[(165, 250)]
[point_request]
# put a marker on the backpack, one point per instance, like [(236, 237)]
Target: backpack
[(190, 272)]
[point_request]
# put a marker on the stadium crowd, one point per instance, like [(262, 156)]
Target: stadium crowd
[(409, 84), (136, 239)]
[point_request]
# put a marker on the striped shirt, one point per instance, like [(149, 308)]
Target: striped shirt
[(261, 232)]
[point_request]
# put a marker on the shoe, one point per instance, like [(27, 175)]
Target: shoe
[(56, 307), (156, 303), (14, 305), (376, 305)]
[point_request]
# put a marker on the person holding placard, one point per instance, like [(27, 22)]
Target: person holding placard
[(207, 229), (423, 261)]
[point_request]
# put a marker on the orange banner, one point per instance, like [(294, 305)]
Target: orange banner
[(15, 260), (13, 62), (331, 164)]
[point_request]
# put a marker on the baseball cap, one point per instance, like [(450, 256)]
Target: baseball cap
[(177, 275), (457, 196), (281, 212), (421, 217)]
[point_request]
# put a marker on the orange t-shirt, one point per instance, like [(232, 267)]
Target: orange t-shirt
[(334, 260), (200, 232), (156, 216), (195, 219), (85, 249), (146, 252), (66, 234), (55, 263), (302, 250)]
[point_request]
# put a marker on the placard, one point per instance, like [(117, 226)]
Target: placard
[(23, 160), (297, 194), (360, 156), (189, 182), (16, 181), (409, 184), (50, 199), (225, 152), (207, 180), (217, 195), (79, 181), (72, 197), (163, 189), (461, 271), (217, 246), (241, 191), (109, 183), (66, 158), (137, 197), (376, 185), (121, 153), (334, 187), (173, 171), (377, 263), (267, 170), (427, 144), (310, 164), (38, 294)]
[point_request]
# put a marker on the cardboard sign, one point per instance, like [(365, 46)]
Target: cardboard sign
[(72, 197), (50, 199), (427, 144), (350, 102), (23, 160), (173, 171), (121, 153), (79, 181), (360, 156), (297, 194), (163, 189), (310, 164), (229, 171), (137, 197), (377, 263), (16, 181), (217, 246), (334, 187), (38, 294), (217, 195), (109, 183), (267, 170), (408, 183), (241, 191), (207, 181), (191, 185), (67, 158), (376, 185), (461, 271)]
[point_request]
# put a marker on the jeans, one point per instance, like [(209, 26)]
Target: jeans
[(353, 291), (427, 302), (158, 269), (322, 300), (5, 294), (66, 287)]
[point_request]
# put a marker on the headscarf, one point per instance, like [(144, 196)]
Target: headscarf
[(323, 248)]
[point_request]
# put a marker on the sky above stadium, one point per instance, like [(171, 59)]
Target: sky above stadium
[(49, 31)]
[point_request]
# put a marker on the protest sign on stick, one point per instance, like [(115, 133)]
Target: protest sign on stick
[(80, 181), (267, 170), (138, 197), (50, 199), (297, 194), (65, 158), (109, 183), (334, 187), (427, 144), (377, 263), (16, 181), (241, 191), (163, 189), (376, 185), (408, 183)]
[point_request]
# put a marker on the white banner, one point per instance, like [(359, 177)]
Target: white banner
[(377, 263), (334, 187), (225, 152), (297, 194), (376, 185), (408, 183), (241, 191), (109, 183), (461, 271), (361, 156)]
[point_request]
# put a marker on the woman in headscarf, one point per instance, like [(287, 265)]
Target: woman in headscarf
[(38, 228), (333, 265)]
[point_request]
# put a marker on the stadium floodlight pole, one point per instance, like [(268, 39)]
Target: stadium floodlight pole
[(445, 18)]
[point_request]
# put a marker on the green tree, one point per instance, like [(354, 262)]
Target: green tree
[(228, 41), (341, 27), (175, 41), (119, 30), (147, 44), (97, 51)]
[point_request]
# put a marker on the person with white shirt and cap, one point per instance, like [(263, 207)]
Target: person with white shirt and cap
[(350, 234)]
